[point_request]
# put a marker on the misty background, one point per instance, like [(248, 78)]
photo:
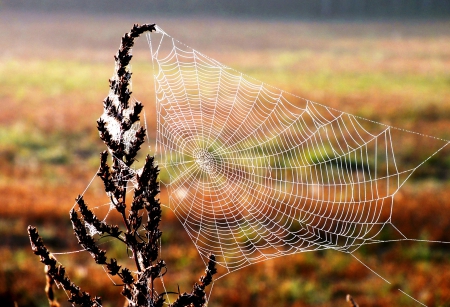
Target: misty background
[(311, 9)]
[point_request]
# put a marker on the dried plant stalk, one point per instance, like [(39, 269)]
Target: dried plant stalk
[(351, 301), (117, 129)]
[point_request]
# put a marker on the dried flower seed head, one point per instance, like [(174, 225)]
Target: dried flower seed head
[(121, 132)]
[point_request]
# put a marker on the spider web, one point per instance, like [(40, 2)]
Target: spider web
[(254, 173)]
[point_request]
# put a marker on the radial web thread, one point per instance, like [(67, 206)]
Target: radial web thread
[(255, 173)]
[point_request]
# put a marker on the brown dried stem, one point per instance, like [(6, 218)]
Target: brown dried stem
[(137, 288), (351, 301)]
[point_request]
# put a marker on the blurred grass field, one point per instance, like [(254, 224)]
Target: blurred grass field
[(54, 74)]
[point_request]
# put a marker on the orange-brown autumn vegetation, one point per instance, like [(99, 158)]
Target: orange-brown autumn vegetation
[(54, 72)]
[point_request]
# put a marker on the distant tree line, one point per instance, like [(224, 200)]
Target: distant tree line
[(353, 9)]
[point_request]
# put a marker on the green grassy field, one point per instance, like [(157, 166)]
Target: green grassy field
[(54, 76)]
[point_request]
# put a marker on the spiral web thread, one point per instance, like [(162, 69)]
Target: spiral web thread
[(255, 173)]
